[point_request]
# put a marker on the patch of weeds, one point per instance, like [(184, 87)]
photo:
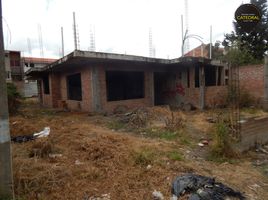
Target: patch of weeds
[(252, 111), (221, 150), (168, 135), (42, 148), (184, 140), (47, 112), (264, 170), (44, 112), (221, 159), (144, 157), (161, 133), (175, 155), (116, 125)]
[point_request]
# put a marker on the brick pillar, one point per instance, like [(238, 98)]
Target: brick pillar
[(55, 89)]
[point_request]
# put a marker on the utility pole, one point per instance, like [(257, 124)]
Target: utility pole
[(6, 180)]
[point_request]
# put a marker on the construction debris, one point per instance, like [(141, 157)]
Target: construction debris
[(203, 142), (157, 195), (202, 188), (26, 138), (102, 197), (137, 118)]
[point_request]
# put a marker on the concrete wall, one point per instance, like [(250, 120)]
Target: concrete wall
[(253, 131), (252, 79), (30, 89), (215, 96)]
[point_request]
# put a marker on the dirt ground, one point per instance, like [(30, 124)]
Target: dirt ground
[(90, 156)]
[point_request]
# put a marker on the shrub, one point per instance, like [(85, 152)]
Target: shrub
[(222, 148), (174, 123), (13, 98)]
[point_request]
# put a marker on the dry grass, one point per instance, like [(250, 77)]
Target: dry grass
[(97, 161)]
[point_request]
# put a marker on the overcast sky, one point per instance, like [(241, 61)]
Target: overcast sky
[(121, 26)]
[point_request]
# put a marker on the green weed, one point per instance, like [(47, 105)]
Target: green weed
[(143, 157), (221, 150), (116, 125), (174, 155)]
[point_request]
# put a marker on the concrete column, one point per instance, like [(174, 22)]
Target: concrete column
[(95, 82), (202, 87), (151, 86), (266, 78), (217, 75), (266, 84)]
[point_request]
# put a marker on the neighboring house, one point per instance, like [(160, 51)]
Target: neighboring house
[(200, 51), (30, 86), (203, 51), (14, 69), (94, 82)]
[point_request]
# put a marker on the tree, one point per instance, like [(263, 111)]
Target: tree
[(256, 42)]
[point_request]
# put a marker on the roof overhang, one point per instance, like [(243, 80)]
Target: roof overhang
[(81, 58)]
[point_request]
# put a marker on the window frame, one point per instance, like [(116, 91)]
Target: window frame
[(127, 83)]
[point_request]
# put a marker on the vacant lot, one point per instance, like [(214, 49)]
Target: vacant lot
[(123, 156)]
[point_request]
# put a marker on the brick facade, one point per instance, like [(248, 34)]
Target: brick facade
[(58, 97), (252, 79), (110, 106), (46, 98), (86, 103)]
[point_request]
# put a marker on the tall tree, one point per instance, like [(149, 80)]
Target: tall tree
[(255, 42)]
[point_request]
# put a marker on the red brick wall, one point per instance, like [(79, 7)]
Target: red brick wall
[(192, 96), (215, 96), (46, 98), (252, 79), (86, 103), (110, 106), (197, 52), (55, 89)]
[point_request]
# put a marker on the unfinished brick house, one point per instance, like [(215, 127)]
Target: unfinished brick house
[(94, 82)]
